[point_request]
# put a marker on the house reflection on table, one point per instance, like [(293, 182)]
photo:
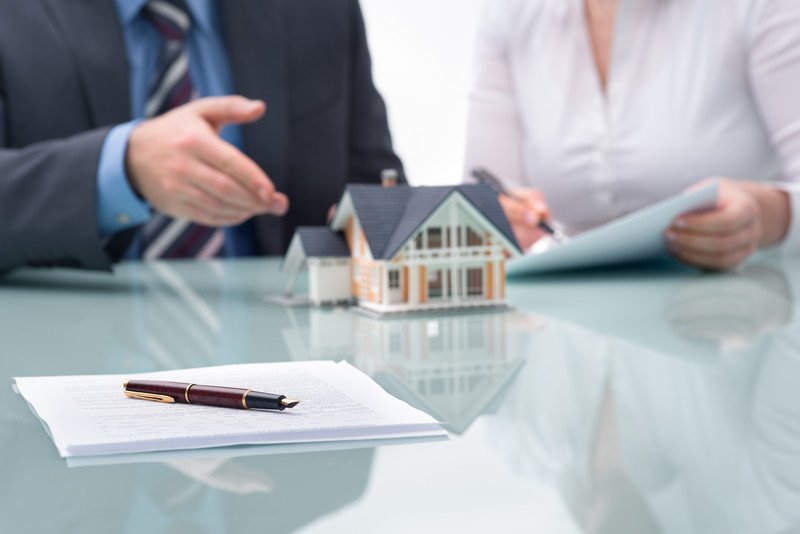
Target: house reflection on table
[(454, 367)]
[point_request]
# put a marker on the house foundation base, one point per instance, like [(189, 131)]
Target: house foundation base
[(384, 312)]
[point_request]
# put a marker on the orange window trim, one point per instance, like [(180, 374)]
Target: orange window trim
[(405, 284), (423, 285), (502, 279)]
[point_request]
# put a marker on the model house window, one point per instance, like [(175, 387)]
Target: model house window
[(435, 285), (473, 238), (394, 279), (475, 282), (418, 241), (435, 237)]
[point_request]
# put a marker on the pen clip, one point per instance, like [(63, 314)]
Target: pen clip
[(149, 396)]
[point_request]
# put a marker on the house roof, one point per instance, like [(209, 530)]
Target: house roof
[(322, 242), (391, 215)]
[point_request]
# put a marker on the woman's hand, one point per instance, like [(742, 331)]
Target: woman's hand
[(525, 209), (748, 216)]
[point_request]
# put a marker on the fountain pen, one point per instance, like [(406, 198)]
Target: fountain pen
[(223, 397)]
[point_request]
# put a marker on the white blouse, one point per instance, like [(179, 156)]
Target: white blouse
[(696, 88)]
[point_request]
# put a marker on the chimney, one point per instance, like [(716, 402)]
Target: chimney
[(389, 177)]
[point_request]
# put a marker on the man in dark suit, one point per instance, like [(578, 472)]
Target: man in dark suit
[(117, 138)]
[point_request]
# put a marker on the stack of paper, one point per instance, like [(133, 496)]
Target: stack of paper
[(90, 415)]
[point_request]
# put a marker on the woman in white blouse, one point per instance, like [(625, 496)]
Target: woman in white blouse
[(597, 108)]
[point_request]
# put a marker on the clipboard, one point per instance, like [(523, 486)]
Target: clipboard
[(638, 236)]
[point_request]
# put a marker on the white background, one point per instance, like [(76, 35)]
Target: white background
[(422, 59)]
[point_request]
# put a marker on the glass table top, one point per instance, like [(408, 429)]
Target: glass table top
[(653, 399)]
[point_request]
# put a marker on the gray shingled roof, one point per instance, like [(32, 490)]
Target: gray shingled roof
[(391, 216), (322, 242)]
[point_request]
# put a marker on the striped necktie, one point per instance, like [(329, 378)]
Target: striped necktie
[(163, 236)]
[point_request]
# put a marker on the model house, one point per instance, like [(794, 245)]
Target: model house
[(402, 248)]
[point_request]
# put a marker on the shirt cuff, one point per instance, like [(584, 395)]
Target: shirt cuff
[(118, 206), (791, 243)]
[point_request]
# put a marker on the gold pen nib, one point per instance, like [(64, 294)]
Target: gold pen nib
[(290, 403)]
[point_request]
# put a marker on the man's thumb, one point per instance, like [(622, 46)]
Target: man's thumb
[(221, 110)]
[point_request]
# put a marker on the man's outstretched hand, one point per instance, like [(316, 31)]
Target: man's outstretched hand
[(181, 166)]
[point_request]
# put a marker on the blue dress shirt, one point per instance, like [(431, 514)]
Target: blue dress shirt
[(119, 208)]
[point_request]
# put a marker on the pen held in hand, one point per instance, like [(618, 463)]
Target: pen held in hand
[(485, 176), (220, 396)]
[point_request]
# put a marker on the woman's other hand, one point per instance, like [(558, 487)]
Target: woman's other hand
[(748, 216)]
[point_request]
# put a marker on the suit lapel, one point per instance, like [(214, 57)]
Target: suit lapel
[(92, 31), (255, 35)]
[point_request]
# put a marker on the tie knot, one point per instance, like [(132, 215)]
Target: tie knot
[(170, 17)]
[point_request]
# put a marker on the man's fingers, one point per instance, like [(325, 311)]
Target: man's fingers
[(231, 161), (223, 188), (179, 163), (221, 110), (198, 215), (207, 210), (279, 205)]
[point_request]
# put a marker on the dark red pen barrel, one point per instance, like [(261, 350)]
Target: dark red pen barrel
[(217, 396), (176, 390)]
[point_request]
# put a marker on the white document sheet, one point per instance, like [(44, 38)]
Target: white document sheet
[(635, 237), (90, 415)]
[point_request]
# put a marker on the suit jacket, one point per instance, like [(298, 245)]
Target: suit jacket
[(64, 83)]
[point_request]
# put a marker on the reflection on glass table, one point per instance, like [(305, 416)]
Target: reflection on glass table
[(455, 367), (639, 441), (734, 311), (643, 402), (273, 493), (694, 315)]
